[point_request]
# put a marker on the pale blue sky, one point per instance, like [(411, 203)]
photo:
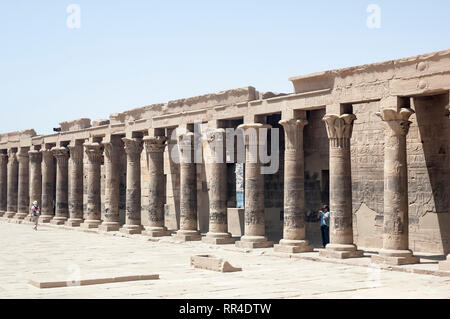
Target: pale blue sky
[(133, 53)]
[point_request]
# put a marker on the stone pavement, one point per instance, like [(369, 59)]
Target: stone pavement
[(53, 252)]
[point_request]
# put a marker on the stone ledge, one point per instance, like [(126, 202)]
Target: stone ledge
[(328, 253), (218, 240), (293, 249), (212, 263), (254, 245), (395, 261), (92, 281)]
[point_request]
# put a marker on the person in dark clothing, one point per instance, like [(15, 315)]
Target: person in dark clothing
[(324, 216)]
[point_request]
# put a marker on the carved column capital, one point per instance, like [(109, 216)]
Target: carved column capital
[(155, 144), (22, 155), (61, 154), (35, 156), (292, 128), (76, 153), (251, 133), (397, 121), (12, 157), (94, 152), (133, 148), (213, 141), (339, 129), (47, 156), (110, 150)]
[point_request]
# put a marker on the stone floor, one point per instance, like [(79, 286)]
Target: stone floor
[(54, 253)]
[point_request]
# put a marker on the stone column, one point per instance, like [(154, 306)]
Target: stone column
[(216, 173), (188, 189), (12, 180), (48, 176), (294, 233), (395, 216), (62, 185), (339, 129), (111, 220), (23, 184), (75, 185), (3, 183), (254, 231), (133, 148), (35, 177), (94, 153), (154, 147)]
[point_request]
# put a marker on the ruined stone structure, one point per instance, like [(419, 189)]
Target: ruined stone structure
[(372, 141)]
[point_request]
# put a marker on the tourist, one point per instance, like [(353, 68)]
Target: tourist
[(35, 214), (324, 215)]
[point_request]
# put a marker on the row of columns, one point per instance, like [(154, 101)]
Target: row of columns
[(69, 198)]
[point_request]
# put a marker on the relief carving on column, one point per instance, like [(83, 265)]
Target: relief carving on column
[(94, 152), (339, 129), (155, 144)]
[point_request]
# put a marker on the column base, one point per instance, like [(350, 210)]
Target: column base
[(445, 265), (88, 224), (131, 229), (10, 214), (58, 220), (45, 218), (187, 235), (2, 212), (73, 222), (218, 238), (155, 231), (395, 257), (293, 246), (109, 226), (341, 251), (20, 216), (252, 242)]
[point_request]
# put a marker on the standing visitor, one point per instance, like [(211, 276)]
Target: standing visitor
[(35, 214), (324, 216)]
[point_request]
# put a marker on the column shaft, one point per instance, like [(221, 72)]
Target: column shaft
[(93, 206), (133, 148), (111, 215), (23, 184), (339, 129), (154, 146), (3, 183), (35, 177), (75, 185), (216, 173), (294, 233), (395, 216), (62, 185), (254, 232), (12, 180), (188, 189), (48, 177)]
